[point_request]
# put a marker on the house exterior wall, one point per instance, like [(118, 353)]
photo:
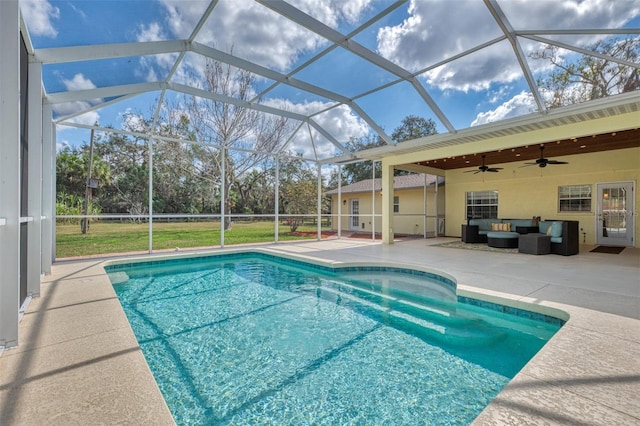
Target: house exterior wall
[(408, 221), (524, 192)]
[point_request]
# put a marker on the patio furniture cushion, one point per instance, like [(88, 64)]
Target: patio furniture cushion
[(506, 226)]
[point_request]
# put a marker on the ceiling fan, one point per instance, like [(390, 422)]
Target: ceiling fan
[(542, 162), (484, 168)]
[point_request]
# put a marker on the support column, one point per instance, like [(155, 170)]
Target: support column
[(48, 189), (387, 203), (150, 189), (277, 202), (424, 206), (319, 194), (373, 200), (34, 206), (339, 200), (223, 177), (9, 173)]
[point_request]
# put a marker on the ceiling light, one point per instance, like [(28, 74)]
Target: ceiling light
[(583, 146)]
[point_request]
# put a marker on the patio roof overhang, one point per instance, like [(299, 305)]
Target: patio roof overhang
[(599, 125)]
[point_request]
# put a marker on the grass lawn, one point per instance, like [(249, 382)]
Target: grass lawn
[(107, 238)]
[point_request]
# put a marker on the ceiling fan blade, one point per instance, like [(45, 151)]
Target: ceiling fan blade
[(556, 162)]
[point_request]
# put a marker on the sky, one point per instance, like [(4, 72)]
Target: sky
[(481, 87)]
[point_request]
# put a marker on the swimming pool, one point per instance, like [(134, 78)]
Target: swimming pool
[(251, 338)]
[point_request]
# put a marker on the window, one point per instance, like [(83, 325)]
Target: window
[(574, 198), (396, 204), (482, 204)]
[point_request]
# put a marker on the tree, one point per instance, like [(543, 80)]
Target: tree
[(412, 127), (239, 136), (298, 190), (72, 166), (127, 157), (590, 77)]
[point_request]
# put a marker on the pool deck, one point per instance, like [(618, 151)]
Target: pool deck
[(79, 363)]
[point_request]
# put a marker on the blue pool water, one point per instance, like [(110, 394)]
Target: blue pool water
[(251, 339)]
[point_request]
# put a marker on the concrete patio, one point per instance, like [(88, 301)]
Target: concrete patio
[(79, 363)]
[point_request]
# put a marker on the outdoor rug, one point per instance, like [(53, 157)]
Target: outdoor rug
[(475, 246), (606, 249)]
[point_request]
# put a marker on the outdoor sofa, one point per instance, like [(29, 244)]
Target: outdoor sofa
[(564, 234)]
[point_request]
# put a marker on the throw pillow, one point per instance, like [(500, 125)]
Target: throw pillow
[(556, 229), (501, 227), (549, 230)]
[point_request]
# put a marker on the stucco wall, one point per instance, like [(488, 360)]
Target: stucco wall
[(528, 191), (409, 220)]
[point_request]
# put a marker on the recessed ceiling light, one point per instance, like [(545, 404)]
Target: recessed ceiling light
[(518, 155), (583, 146)]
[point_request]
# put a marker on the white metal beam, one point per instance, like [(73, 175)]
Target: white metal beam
[(9, 172), (93, 107), (233, 101), (58, 55), (508, 30), (103, 92), (583, 51), (226, 58), (48, 188), (312, 24), (327, 135), (296, 15), (35, 181)]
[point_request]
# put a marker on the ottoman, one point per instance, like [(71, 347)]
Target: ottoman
[(534, 244), (502, 239)]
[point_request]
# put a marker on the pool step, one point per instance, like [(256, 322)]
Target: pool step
[(446, 313), (433, 324)]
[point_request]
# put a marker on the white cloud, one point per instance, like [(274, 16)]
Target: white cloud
[(89, 118), (521, 104), (152, 32), (78, 82), (38, 15), (339, 122), (256, 33), (420, 40), (332, 12), (61, 146)]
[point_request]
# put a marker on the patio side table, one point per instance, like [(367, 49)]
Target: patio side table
[(534, 244), (470, 233)]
